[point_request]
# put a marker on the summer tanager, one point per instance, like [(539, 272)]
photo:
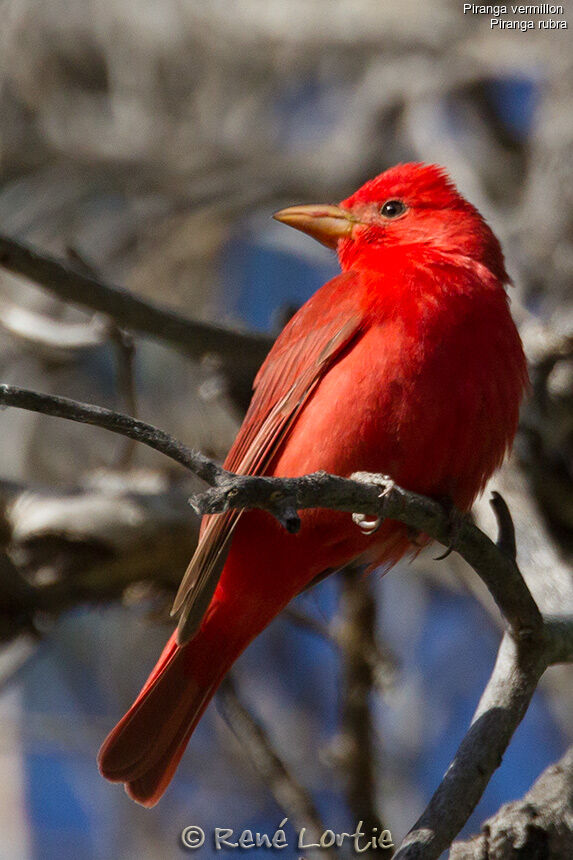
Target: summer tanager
[(407, 363)]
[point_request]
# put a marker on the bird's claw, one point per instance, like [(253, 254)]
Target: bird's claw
[(456, 520), (367, 525)]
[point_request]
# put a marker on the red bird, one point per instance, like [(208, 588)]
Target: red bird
[(407, 363)]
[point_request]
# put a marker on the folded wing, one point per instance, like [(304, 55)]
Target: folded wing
[(311, 342)]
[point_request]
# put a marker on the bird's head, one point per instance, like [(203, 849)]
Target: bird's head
[(410, 205)]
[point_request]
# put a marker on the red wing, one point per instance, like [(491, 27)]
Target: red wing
[(306, 348)]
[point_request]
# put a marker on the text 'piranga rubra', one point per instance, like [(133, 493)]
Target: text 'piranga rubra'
[(407, 363)]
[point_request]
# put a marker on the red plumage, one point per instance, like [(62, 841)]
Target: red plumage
[(408, 364)]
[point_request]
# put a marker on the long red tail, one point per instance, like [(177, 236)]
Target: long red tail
[(145, 747)]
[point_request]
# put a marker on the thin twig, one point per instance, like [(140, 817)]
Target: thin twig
[(50, 336), (381, 661), (124, 348), (506, 537), (290, 794), (116, 422), (310, 624), (357, 638)]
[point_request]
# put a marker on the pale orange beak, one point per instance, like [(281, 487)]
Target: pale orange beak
[(328, 224)]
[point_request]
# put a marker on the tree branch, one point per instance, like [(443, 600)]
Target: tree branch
[(243, 349), (366, 494), (530, 645), (356, 634), (538, 825), (91, 545), (373, 495), (116, 422), (502, 706), (289, 794)]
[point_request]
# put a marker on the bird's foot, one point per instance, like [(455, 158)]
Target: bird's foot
[(367, 524)]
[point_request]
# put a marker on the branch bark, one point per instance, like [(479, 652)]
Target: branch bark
[(90, 545), (116, 422), (538, 825), (363, 493)]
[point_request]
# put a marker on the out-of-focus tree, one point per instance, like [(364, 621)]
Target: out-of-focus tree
[(146, 143)]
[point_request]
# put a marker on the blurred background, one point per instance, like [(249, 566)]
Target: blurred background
[(149, 142)]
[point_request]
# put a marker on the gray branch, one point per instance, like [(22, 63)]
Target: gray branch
[(116, 422), (378, 496), (538, 825), (502, 707), (369, 495), (530, 645), (243, 349)]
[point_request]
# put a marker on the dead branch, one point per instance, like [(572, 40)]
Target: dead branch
[(53, 337), (540, 824), (365, 494), (116, 422), (93, 544)]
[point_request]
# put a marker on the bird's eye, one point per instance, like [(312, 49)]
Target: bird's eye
[(393, 208)]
